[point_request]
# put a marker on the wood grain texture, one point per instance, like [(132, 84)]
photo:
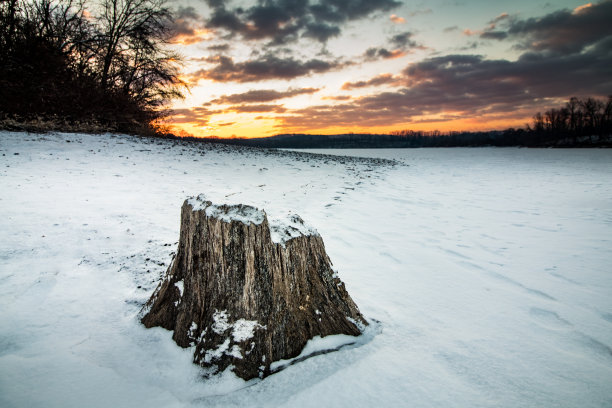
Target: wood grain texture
[(247, 301)]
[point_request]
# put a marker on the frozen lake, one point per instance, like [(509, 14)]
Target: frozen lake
[(490, 271)]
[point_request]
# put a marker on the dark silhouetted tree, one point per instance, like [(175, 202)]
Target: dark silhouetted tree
[(60, 59)]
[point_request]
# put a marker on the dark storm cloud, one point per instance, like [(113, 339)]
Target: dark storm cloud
[(471, 86), (284, 21), (262, 95), (563, 31), (266, 67)]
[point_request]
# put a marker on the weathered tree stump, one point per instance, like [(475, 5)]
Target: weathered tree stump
[(244, 299)]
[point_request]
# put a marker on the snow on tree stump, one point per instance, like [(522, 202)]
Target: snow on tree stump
[(247, 293)]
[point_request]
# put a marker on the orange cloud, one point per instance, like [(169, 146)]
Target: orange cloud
[(194, 37), (582, 8), (338, 98), (470, 33), (397, 19)]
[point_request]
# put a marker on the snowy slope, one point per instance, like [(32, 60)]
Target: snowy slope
[(489, 270)]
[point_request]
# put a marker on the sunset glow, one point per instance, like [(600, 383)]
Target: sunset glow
[(258, 69)]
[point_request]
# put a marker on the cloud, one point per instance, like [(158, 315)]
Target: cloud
[(266, 67), (218, 48), (262, 95), (501, 17), (403, 40), (494, 35), (382, 79), (257, 108), (338, 98), (285, 21), (221, 18), (397, 19), (345, 10), (188, 27), (470, 32), (321, 31), (186, 13), (582, 8), (420, 11), (373, 54), (469, 86), (563, 31), (400, 45), (198, 114), (489, 32)]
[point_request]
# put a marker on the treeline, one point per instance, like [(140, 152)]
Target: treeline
[(401, 139), (580, 123), (78, 65), (579, 117)]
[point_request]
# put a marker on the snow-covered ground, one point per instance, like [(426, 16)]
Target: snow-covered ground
[(490, 271)]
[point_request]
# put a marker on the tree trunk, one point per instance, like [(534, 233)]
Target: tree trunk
[(244, 300)]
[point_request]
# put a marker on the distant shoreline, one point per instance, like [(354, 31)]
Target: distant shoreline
[(495, 138), (508, 138)]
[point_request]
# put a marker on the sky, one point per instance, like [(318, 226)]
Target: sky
[(257, 68)]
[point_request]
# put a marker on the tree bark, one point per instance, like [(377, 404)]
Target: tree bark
[(243, 300)]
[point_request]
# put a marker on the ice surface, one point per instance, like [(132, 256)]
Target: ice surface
[(489, 270)]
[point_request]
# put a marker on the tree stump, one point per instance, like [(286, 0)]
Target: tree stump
[(246, 293)]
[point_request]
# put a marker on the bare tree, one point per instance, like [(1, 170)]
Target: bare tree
[(574, 116), (132, 37), (538, 122), (9, 11), (607, 118)]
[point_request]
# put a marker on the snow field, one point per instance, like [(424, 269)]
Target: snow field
[(488, 269)]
